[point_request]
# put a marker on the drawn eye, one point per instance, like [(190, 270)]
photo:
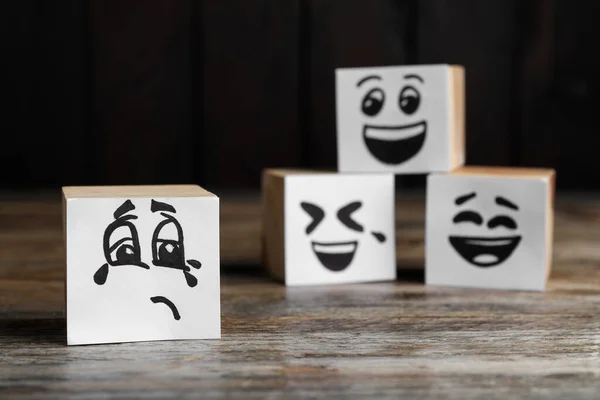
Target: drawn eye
[(123, 251), (373, 102), (344, 215), (468, 216), (167, 243), (121, 244), (409, 100), (502, 220), (315, 212)]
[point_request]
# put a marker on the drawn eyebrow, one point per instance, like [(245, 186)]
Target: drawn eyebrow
[(501, 201), (366, 78), (414, 76), (463, 199), (159, 206), (123, 209)]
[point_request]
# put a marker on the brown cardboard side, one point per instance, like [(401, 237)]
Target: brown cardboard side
[(273, 240), (504, 172), (457, 116), (70, 192), (550, 224)]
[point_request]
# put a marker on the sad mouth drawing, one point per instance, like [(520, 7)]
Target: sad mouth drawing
[(336, 255), (485, 252), (393, 144)]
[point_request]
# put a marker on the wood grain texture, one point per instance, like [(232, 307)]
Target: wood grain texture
[(249, 98), (273, 222), (46, 93), (536, 142), (141, 86), (350, 341), (568, 102), (156, 91), (357, 34), (459, 34)]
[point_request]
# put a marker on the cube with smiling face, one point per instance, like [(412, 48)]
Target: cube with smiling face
[(404, 120), (490, 228), (327, 228)]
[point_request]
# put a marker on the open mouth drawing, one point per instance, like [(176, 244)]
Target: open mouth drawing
[(395, 144), (335, 256), (485, 252)]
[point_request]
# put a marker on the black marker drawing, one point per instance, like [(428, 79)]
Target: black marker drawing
[(168, 250), (501, 201), (345, 216), (367, 78), (126, 249), (485, 251), (393, 144), (379, 236), (336, 256), (168, 303), (122, 247), (373, 101), (460, 200), (316, 213)]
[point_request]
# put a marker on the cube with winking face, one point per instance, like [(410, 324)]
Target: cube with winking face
[(328, 228)]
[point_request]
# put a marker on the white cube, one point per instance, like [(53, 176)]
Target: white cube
[(142, 263), (400, 119), (327, 228), (490, 228)]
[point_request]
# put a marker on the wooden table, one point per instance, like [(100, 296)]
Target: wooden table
[(380, 340)]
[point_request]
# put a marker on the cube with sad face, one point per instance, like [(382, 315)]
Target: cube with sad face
[(490, 228), (326, 228), (404, 120), (142, 263)]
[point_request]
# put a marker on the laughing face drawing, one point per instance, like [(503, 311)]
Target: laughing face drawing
[(337, 255), (486, 250), (396, 143)]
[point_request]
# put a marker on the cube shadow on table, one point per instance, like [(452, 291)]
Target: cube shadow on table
[(326, 228), (490, 227), (400, 119), (142, 263)]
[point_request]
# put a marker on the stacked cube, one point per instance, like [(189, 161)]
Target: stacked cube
[(486, 227)]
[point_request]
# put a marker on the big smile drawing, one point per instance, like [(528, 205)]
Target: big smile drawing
[(395, 144), (485, 252), (335, 256)]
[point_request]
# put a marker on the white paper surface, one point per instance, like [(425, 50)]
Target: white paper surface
[(483, 248), (130, 305), (345, 244), (393, 119)]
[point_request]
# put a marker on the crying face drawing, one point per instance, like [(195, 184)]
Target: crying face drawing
[(123, 249), (337, 254)]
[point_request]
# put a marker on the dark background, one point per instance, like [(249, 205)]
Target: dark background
[(212, 91)]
